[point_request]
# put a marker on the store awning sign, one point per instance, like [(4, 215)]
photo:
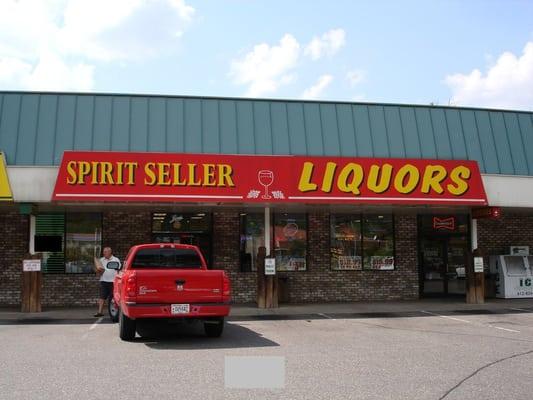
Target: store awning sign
[(169, 177), (5, 189)]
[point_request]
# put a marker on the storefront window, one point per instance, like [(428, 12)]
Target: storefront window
[(252, 237), (345, 245), (83, 241), (290, 241), (378, 242), (48, 241), (362, 242)]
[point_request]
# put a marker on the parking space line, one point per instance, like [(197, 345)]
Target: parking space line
[(445, 316), (520, 309), (325, 316), (96, 323), (469, 322)]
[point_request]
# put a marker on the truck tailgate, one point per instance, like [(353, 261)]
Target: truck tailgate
[(179, 286)]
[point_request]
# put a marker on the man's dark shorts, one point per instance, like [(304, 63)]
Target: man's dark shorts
[(106, 290)]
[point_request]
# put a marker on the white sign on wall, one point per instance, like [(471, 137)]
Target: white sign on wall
[(478, 264), (270, 266), (31, 265)]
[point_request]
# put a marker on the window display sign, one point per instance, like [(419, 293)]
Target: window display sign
[(348, 263), (165, 177), (383, 263)]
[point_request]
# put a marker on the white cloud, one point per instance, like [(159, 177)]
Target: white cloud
[(266, 68), (316, 90), (506, 84), (58, 43), (355, 76), (328, 44)]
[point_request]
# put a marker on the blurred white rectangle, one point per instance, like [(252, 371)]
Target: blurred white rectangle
[(254, 372)]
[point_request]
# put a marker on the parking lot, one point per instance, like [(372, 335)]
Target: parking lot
[(414, 355)]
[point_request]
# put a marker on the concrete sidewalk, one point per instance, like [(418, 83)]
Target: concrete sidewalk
[(382, 309)]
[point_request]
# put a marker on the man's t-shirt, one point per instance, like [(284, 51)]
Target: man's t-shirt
[(109, 274)]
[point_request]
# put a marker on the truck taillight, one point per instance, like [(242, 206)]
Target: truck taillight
[(131, 287), (226, 286)]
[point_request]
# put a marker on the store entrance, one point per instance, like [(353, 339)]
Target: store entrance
[(443, 245), (184, 228)]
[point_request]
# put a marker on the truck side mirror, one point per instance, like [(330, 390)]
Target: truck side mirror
[(113, 265)]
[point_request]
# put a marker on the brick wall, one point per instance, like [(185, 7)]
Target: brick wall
[(226, 236), (13, 246), (120, 231), (322, 284), (495, 236)]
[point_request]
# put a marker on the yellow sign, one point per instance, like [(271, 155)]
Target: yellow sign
[(5, 189)]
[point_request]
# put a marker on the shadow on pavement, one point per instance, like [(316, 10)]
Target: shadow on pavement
[(165, 336)]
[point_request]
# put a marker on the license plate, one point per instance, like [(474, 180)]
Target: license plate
[(179, 308)]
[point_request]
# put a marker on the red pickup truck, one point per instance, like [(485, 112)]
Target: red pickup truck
[(168, 281)]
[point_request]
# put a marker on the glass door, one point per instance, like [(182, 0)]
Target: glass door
[(456, 247), (433, 266)]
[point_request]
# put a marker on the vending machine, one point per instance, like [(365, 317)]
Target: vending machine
[(513, 275)]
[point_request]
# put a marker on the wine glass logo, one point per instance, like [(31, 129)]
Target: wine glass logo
[(266, 178)]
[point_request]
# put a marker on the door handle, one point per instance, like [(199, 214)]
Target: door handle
[(180, 282)]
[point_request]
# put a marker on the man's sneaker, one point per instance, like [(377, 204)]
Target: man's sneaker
[(98, 315)]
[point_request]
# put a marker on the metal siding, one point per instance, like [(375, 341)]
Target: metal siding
[(394, 131), (346, 130), (193, 126), (526, 128), (330, 129), (425, 133), (102, 123), (120, 139), (519, 152), (378, 130), (156, 125), (410, 132), (245, 128), (440, 130), (64, 137), (210, 127), (36, 128), (473, 146), (313, 129), (456, 135), (262, 129), (9, 126), (487, 141), (29, 110), (363, 138), (83, 126), (298, 142), (280, 128), (46, 127), (502, 143), (228, 127)]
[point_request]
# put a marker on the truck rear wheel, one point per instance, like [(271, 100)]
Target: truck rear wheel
[(214, 328), (127, 327), (113, 310)]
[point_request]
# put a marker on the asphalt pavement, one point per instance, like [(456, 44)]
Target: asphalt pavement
[(424, 353)]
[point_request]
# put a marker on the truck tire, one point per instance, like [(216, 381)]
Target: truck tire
[(127, 327), (113, 310), (214, 329)]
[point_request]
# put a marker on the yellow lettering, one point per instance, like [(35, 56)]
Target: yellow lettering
[(412, 174), (305, 184), (343, 183), (106, 168), (384, 179), (163, 178), (71, 171), (224, 175), (83, 171), (192, 176), (131, 166), (177, 173), (433, 177), (327, 182), (148, 170), (209, 175), (120, 167), (459, 176)]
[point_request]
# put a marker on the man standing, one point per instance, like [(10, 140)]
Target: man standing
[(106, 280)]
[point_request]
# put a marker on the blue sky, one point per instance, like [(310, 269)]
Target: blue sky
[(447, 52)]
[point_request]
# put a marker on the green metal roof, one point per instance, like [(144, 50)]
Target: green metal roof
[(35, 128)]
